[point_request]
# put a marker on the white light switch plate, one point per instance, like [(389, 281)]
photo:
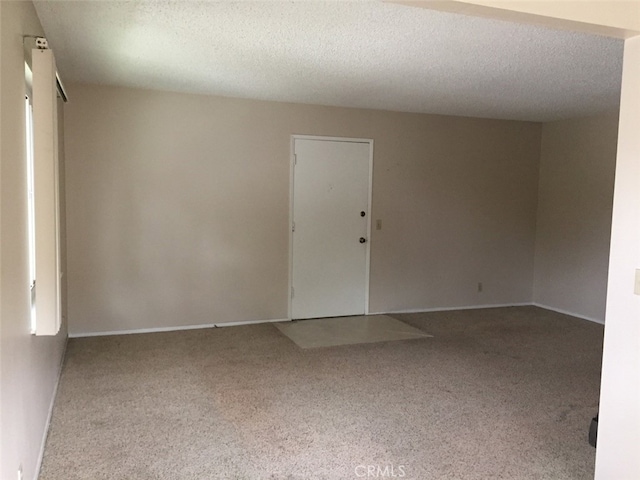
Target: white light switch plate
[(636, 289)]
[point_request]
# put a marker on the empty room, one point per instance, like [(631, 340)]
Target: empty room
[(319, 240)]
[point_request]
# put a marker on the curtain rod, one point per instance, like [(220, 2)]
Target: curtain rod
[(41, 44)]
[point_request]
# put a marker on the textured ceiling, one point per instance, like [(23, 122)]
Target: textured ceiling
[(355, 54)]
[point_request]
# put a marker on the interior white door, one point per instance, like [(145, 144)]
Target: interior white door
[(330, 234)]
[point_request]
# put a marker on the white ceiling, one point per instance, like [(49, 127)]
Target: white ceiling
[(355, 54)]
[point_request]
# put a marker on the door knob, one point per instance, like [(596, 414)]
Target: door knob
[(363, 240)]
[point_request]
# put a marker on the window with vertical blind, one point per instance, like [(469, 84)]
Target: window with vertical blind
[(30, 203), (43, 193)]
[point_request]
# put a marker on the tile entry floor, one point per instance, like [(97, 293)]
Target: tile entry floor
[(331, 332)]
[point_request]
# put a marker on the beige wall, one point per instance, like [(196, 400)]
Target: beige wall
[(29, 365), (577, 166), (619, 426), (178, 207), (614, 18)]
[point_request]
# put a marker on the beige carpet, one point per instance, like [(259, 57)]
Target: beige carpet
[(495, 394), (332, 332)]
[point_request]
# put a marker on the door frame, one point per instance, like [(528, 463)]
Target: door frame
[(368, 141)]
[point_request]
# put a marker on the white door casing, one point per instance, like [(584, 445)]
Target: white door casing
[(331, 187)]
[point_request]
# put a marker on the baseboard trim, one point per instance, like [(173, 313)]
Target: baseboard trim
[(389, 312), (451, 309), (566, 312), (50, 413), (503, 305), (174, 329)]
